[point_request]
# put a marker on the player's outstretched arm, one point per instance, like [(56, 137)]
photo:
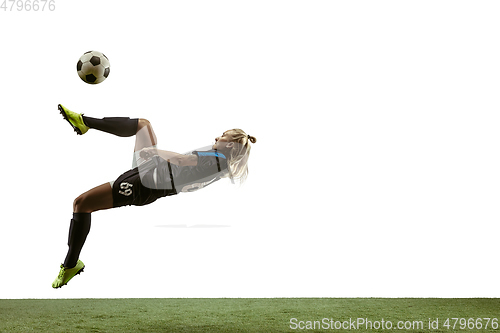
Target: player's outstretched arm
[(174, 158)]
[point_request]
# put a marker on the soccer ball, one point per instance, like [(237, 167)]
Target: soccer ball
[(93, 67)]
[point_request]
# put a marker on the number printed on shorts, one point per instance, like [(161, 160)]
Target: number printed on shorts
[(125, 189)]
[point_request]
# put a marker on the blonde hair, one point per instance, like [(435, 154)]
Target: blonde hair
[(238, 157)]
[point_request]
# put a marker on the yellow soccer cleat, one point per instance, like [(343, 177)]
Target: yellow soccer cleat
[(66, 274), (74, 119)]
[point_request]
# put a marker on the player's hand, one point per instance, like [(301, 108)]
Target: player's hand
[(147, 153)]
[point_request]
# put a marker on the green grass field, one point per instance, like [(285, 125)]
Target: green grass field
[(248, 315)]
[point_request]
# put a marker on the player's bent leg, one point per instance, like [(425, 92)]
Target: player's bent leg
[(98, 198), (145, 136)]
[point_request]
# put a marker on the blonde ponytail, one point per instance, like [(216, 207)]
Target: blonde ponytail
[(238, 157)]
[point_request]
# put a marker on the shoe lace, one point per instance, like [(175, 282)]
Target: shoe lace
[(61, 273)]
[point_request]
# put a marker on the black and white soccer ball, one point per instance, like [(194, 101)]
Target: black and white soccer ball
[(93, 67)]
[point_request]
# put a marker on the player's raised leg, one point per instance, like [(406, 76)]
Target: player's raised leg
[(120, 126), (145, 136)]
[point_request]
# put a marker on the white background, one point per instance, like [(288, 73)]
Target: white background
[(376, 171)]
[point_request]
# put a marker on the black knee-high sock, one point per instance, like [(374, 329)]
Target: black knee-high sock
[(121, 126), (78, 231)]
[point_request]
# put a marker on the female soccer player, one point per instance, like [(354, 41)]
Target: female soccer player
[(155, 174)]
